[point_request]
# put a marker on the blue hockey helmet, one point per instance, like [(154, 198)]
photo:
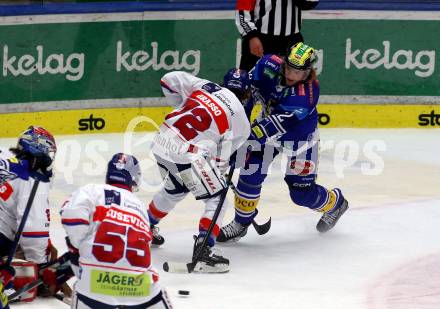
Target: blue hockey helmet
[(123, 169), (37, 146), (238, 82)]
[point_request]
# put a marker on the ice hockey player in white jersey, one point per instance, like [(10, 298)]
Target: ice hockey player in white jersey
[(193, 149), (31, 159), (108, 235)]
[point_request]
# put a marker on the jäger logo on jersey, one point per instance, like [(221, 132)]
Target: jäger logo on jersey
[(214, 109), (120, 284)]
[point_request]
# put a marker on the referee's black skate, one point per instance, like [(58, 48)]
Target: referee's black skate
[(157, 240), (210, 260), (232, 232), (329, 220)]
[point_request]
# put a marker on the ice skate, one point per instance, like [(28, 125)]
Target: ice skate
[(329, 220), (157, 240), (210, 260), (232, 232)]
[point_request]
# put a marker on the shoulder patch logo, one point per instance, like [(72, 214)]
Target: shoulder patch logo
[(276, 59), (5, 191)]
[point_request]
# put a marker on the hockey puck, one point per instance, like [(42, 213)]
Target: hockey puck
[(183, 292)]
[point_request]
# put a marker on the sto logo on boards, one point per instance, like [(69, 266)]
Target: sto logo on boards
[(91, 124), (431, 119)]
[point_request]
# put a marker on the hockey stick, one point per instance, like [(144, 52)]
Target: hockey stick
[(22, 222), (261, 229), (176, 267)]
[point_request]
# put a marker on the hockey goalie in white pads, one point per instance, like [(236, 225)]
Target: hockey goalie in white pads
[(193, 148), (108, 230)]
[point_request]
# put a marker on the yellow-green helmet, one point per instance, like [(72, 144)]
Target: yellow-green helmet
[(301, 56)]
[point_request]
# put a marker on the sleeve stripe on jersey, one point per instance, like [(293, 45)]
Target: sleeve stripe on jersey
[(139, 270), (246, 22), (277, 124), (162, 83), (72, 222), (35, 234)]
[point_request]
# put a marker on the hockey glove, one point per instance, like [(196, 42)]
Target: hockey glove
[(72, 254), (3, 298), (51, 252), (54, 279), (258, 133), (7, 273)]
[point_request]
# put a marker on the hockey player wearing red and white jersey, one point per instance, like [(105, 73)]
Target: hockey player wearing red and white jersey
[(193, 148), (108, 235), (19, 168)]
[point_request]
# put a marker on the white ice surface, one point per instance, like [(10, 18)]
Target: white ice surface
[(384, 253)]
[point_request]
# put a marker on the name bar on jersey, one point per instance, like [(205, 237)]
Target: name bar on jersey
[(214, 109), (120, 216)]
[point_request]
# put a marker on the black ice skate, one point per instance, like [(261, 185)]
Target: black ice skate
[(209, 261), (329, 220), (232, 232), (157, 240)]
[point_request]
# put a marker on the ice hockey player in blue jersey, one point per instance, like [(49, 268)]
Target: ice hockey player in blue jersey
[(288, 91)]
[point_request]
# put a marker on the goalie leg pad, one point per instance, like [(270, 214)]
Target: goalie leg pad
[(25, 272)]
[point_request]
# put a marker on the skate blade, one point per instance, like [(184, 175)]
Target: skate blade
[(203, 268)]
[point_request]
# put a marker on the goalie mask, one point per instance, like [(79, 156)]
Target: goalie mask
[(37, 146)]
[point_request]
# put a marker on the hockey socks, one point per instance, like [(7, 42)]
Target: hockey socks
[(245, 209)]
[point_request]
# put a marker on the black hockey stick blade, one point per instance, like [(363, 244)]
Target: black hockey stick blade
[(262, 228), (63, 299)]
